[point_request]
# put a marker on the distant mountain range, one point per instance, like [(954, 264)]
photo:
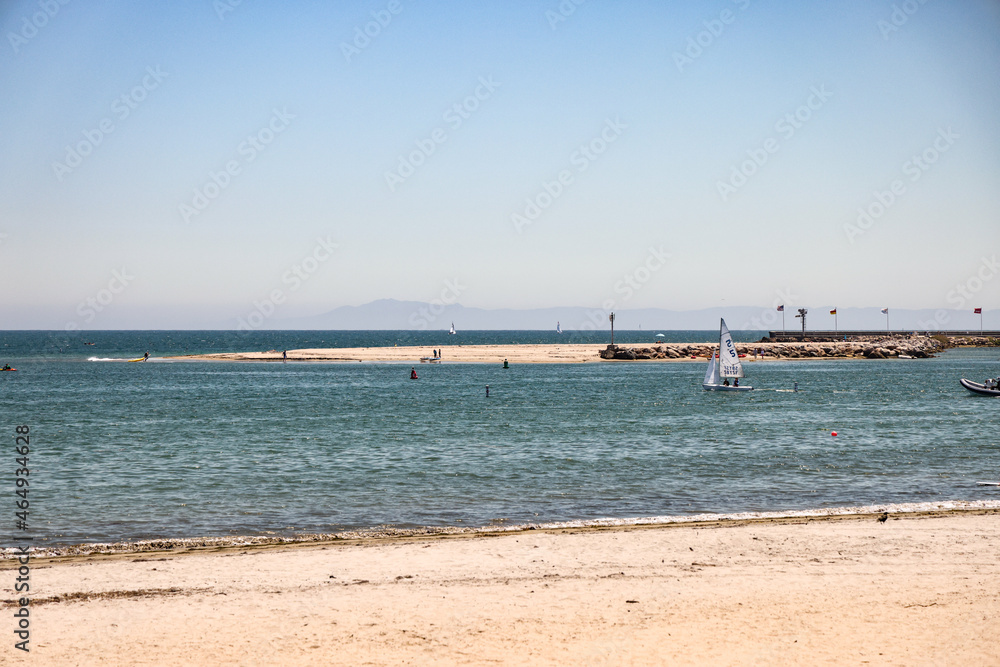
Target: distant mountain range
[(393, 314)]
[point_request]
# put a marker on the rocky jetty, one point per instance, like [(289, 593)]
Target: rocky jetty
[(974, 341), (873, 347)]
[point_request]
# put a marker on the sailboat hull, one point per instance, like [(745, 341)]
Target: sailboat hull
[(722, 387)]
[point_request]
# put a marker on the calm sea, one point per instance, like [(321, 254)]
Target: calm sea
[(125, 451)]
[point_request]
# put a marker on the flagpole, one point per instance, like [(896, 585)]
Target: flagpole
[(835, 326)]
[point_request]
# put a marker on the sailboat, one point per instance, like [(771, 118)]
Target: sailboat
[(724, 365), (558, 328), (452, 330)]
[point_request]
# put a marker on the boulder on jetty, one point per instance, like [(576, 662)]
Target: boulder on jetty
[(870, 347)]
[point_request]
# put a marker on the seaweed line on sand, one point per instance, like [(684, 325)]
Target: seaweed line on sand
[(382, 532)]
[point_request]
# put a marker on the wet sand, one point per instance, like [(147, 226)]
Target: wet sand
[(920, 588)]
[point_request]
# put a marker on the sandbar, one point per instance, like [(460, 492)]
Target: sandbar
[(515, 354), (590, 352)]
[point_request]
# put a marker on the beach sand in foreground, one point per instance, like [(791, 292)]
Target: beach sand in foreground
[(913, 590)]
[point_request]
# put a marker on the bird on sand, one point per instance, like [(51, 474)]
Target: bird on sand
[(882, 517)]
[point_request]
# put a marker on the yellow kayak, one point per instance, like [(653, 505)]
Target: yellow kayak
[(139, 359)]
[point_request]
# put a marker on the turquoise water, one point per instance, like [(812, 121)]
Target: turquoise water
[(181, 449)]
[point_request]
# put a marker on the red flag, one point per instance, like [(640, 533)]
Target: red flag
[(978, 311), (781, 308), (833, 312)]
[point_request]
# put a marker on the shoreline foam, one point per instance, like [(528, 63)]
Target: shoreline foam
[(388, 533)]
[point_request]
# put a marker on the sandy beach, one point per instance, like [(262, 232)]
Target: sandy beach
[(566, 354), (515, 354), (916, 589)]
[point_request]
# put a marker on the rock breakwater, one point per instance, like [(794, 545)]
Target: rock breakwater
[(874, 347)]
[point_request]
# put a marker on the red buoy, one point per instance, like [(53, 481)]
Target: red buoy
[(834, 434)]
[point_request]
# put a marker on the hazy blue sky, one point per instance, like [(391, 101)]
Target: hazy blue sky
[(353, 176)]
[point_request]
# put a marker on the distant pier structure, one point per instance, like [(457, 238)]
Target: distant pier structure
[(824, 336)]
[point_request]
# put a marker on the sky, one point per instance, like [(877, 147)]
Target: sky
[(184, 164)]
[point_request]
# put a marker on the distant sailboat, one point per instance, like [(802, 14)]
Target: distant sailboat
[(724, 365), (558, 328), (452, 330)]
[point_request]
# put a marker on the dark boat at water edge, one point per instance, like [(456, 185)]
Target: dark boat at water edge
[(984, 389)]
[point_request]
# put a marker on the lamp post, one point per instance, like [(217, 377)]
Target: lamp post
[(611, 318), (802, 314)]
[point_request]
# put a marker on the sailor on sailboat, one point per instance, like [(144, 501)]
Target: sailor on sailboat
[(724, 365), (452, 328), (558, 328)]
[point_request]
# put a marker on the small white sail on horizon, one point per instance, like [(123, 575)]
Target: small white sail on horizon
[(452, 330), (558, 328)]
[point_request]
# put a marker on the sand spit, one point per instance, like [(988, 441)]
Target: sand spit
[(412, 354), (877, 347)]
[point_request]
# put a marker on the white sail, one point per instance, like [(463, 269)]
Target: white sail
[(558, 328), (729, 358), (712, 372), (452, 328)]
